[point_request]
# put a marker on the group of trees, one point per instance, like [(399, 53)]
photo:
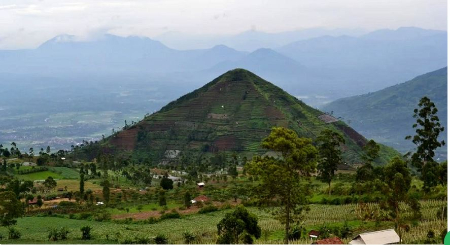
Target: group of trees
[(282, 178)]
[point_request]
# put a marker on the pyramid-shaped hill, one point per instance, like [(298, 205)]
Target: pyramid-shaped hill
[(233, 113)]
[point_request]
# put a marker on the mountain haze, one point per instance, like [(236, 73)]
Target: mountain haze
[(387, 115)]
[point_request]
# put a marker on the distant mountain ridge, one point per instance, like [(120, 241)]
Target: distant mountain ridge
[(387, 115), (375, 60), (326, 67)]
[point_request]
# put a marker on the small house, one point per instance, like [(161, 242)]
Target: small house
[(32, 202), (334, 240), (201, 198), (313, 234), (377, 237), (201, 185)]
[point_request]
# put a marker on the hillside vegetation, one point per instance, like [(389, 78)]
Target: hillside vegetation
[(231, 114), (387, 115)]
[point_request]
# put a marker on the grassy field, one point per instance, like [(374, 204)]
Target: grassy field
[(74, 185), (39, 176), (66, 173), (35, 229), (145, 208)]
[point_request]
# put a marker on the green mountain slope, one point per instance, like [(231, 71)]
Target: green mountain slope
[(233, 113), (386, 115)]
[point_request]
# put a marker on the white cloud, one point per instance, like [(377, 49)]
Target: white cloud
[(44, 19)]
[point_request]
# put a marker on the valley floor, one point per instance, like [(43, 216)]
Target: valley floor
[(203, 226)]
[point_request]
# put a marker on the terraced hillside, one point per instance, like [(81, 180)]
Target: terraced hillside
[(233, 113)]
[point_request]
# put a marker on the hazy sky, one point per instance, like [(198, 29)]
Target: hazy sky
[(28, 23)]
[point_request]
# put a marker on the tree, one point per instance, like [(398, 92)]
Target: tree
[(162, 198), (240, 226), (232, 171), (106, 191), (86, 232), (371, 150), (19, 187), (280, 176), (50, 183), (442, 173), (81, 183), (10, 208), (330, 155), (6, 153), (187, 199), (41, 160), (28, 198), (31, 153), (397, 180), (428, 129), (39, 202), (166, 183)]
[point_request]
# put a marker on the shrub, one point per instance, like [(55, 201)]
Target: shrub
[(102, 216), (86, 232), (226, 206), (63, 232), (143, 240), (346, 200), (188, 237), (152, 220), (336, 201), (50, 197), (67, 204), (171, 215), (84, 215), (208, 209), (13, 233), (160, 239), (296, 233), (53, 234)]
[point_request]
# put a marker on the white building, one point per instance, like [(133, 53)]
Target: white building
[(377, 237)]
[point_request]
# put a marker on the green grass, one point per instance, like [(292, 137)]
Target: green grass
[(66, 173), (39, 176), (74, 185), (145, 208), (35, 229)]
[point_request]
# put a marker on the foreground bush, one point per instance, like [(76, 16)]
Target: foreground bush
[(160, 239), (208, 209), (13, 233), (86, 232)]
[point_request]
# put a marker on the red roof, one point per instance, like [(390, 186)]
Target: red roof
[(201, 198), (334, 240), (34, 201), (314, 233)]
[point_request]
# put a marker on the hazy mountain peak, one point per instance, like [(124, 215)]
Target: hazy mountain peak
[(402, 33)]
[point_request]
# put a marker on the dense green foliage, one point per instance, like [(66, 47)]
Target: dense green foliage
[(237, 227), (329, 144), (281, 176), (428, 129), (10, 208)]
